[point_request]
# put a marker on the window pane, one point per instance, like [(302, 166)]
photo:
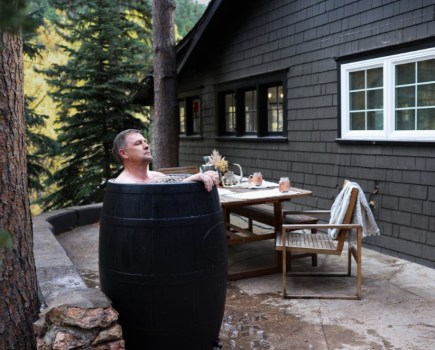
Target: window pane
[(196, 114), (426, 95), (356, 80), (182, 111), (426, 119), (426, 71), (375, 78), (405, 120), (405, 97), (357, 121), (375, 99), (419, 94), (357, 101), (366, 105), (375, 120), (251, 111), (405, 74), (275, 99), (230, 112)]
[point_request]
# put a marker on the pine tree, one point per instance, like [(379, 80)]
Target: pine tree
[(38, 144), (108, 43)]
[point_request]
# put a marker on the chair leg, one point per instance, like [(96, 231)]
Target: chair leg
[(284, 272), (314, 256), (289, 259), (359, 263), (359, 280), (358, 276)]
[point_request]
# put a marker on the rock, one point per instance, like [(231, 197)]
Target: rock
[(106, 335), (79, 319), (82, 318)]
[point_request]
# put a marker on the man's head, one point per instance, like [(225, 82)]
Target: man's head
[(130, 144)]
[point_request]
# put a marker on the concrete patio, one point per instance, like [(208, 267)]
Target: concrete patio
[(396, 310)]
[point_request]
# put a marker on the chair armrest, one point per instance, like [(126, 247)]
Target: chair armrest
[(322, 226), (294, 227)]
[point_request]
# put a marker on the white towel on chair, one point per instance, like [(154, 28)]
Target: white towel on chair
[(362, 214)]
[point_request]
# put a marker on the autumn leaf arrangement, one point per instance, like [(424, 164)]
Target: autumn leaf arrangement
[(219, 162)]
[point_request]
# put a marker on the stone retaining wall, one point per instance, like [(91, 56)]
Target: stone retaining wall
[(72, 315)]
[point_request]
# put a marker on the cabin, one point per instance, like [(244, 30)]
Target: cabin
[(321, 91)]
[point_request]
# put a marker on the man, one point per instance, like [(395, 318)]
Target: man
[(134, 152)]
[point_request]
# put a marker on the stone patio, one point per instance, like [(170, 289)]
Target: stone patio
[(396, 310)]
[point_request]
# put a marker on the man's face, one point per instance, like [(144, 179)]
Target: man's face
[(136, 149)]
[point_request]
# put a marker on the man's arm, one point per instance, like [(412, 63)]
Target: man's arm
[(209, 178)]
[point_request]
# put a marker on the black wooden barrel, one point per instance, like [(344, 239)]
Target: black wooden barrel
[(163, 263)]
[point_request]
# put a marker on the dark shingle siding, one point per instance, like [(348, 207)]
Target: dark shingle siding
[(306, 37)]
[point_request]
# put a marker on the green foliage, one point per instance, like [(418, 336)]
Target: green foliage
[(14, 17), (45, 154), (40, 148), (109, 52), (38, 144), (187, 13)]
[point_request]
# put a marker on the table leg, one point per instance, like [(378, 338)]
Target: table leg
[(233, 240), (277, 209), (226, 215)]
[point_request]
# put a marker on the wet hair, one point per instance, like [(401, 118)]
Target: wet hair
[(119, 142)]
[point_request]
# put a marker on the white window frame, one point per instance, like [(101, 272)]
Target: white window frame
[(388, 64)]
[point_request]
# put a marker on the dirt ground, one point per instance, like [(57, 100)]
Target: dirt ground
[(395, 313), (250, 322)]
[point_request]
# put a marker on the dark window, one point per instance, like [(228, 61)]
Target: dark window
[(182, 112), (275, 117), (190, 115), (250, 109), (253, 107), (230, 112)]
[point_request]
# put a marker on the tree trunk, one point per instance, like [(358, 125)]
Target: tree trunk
[(165, 122), (19, 303)]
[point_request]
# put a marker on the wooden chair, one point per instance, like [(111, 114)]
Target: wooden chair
[(264, 214), (188, 169), (322, 243)]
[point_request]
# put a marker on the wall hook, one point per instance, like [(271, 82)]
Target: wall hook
[(375, 191)]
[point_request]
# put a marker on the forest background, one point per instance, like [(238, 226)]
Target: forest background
[(73, 106), (56, 138)]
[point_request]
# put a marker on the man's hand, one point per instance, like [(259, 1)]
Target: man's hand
[(209, 178), (214, 176)]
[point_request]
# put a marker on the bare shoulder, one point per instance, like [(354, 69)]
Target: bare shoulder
[(124, 178)]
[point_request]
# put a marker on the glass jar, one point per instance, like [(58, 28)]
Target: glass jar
[(284, 184)]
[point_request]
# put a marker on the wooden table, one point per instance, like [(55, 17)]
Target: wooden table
[(236, 196)]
